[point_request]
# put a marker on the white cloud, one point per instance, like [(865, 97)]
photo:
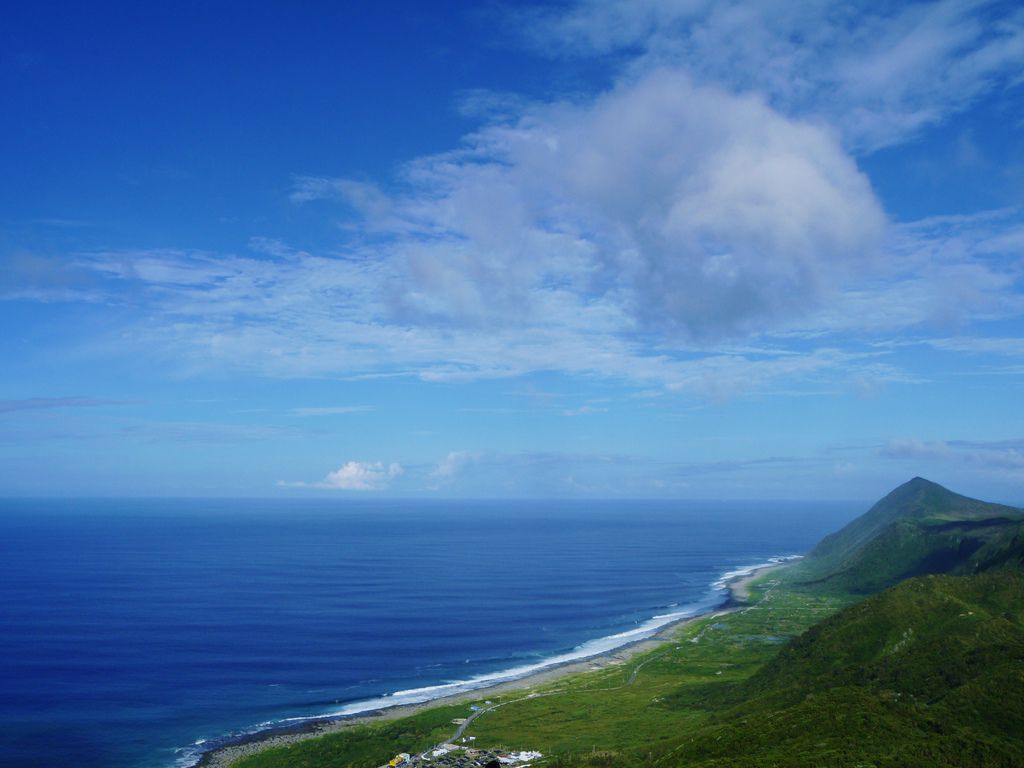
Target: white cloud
[(531, 473), (680, 208), (204, 432), (26, 276), (303, 315), (1003, 346), (912, 448), (1003, 458), (451, 465), (584, 410), (615, 238), (844, 468), (942, 272), (355, 476), (881, 73), (48, 403), (331, 410)]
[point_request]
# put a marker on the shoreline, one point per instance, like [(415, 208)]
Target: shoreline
[(738, 594)]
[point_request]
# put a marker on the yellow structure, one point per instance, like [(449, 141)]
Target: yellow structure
[(399, 759)]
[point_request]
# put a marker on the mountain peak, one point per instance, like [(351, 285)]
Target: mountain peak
[(918, 527), (919, 484), (914, 497)]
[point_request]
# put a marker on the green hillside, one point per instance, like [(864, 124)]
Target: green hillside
[(928, 673), (919, 528)]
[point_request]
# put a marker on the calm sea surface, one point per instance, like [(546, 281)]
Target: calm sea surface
[(131, 630)]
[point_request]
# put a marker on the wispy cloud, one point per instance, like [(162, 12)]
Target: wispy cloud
[(354, 476), (879, 74), (529, 473), (912, 448), (60, 223), (305, 315), (738, 466), (331, 410), (1000, 345), (940, 273), (584, 410), (49, 403), (452, 464), (203, 432), (556, 473), (27, 276), (1001, 457)]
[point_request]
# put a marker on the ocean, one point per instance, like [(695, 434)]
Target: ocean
[(136, 633)]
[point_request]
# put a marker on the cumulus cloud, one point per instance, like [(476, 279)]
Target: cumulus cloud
[(621, 237), (689, 209), (355, 476)]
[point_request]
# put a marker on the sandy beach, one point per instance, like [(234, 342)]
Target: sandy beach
[(223, 757)]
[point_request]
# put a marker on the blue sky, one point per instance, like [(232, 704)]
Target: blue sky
[(682, 249)]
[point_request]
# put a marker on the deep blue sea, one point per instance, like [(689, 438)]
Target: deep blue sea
[(131, 630)]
